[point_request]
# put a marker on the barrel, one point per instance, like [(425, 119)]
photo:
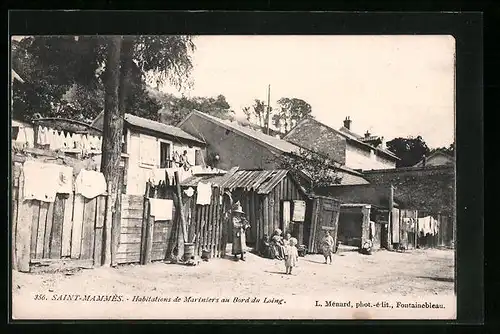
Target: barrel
[(205, 254), (188, 251)]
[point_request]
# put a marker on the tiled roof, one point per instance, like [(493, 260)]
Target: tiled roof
[(261, 181), (280, 144), (160, 127)]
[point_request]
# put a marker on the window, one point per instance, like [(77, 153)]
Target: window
[(148, 150), (165, 159), (15, 132), (198, 157)]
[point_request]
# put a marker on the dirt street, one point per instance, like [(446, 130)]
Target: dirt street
[(417, 272)]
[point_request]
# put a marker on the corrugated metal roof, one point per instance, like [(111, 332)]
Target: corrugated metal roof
[(261, 181), (160, 127)]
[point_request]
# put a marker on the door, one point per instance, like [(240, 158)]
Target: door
[(327, 220)]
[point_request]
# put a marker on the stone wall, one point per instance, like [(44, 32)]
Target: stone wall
[(430, 189)]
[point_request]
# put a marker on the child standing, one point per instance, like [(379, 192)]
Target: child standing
[(291, 256), (327, 247)]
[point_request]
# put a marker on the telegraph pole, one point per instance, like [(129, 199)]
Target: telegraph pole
[(268, 108)]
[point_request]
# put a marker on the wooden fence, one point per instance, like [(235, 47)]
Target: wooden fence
[(204, 223), (69, 228)]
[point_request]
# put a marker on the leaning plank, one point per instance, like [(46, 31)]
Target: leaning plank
[(88, 229), (34, 229), (48, 231), (76, 235), (44, 206), (57, 224), (23, 230), (149, 238), (99, 225), (67, 225), (15, 198), (98, 247)]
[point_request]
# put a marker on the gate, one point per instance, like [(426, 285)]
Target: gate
[(326, 212)]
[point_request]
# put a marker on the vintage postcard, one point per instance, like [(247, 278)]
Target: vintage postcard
[(233, 177)]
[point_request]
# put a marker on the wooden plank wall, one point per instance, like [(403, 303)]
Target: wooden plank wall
[(129, 246), (68, 228)]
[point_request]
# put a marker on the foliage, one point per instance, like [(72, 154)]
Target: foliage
[(316, 168), (449, 150), (175, 109), (64, 75), (256, 113), (410, 150), (291, 111)]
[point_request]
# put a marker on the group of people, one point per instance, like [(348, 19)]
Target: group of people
[(276, 246)]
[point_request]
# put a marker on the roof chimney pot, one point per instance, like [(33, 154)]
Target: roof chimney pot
[(347, 123)]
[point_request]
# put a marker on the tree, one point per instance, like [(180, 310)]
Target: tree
[(53, 66), (449, 150), (175, 109), (291, 111), (316, 168), (410, 150), (167, 60)]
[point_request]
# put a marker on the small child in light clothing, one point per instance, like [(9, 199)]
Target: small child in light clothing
[(291, 256)]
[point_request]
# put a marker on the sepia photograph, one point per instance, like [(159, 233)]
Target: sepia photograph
[(233, 177)]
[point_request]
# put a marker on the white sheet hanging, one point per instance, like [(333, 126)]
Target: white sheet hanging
[(204, 195), (90, 183), (41, 180), (161, 209)]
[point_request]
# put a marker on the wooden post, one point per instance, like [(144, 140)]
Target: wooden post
[(390, 218), (107, 228), (149, 234), (181, 237), (23, 229), (145, 218), (179, 195)]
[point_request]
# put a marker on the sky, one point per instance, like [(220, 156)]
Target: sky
[(392, 86)]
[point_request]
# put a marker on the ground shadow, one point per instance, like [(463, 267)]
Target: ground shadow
[(275, 272), (439, 279), (313, 261)]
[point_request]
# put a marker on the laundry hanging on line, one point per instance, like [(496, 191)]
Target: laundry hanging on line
[(41, 181), (161, 209), (204, 195), (90, 183)]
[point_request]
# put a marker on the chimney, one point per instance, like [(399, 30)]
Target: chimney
[(367, 134), (347, 123)]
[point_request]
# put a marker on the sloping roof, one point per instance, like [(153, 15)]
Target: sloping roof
[(346, 133), (349, 179), (260, 181), (262, 138), (434, 154), (145, 123), (354, 136), (160, 127)]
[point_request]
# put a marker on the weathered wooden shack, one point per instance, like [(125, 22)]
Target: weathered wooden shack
[(271, 199)]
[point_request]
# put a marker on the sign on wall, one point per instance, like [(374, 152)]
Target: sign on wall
[(299, 211)]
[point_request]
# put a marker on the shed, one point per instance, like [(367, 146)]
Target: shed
[(271, 199)]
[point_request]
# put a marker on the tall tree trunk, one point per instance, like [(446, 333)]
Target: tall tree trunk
[(112, 132), (125, 72)]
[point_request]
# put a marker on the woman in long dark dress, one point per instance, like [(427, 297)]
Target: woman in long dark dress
[(240, 225)]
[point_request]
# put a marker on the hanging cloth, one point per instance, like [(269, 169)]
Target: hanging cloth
[(41, 180), (204, 191), (161, 209), (90, 183), (65, 180)]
